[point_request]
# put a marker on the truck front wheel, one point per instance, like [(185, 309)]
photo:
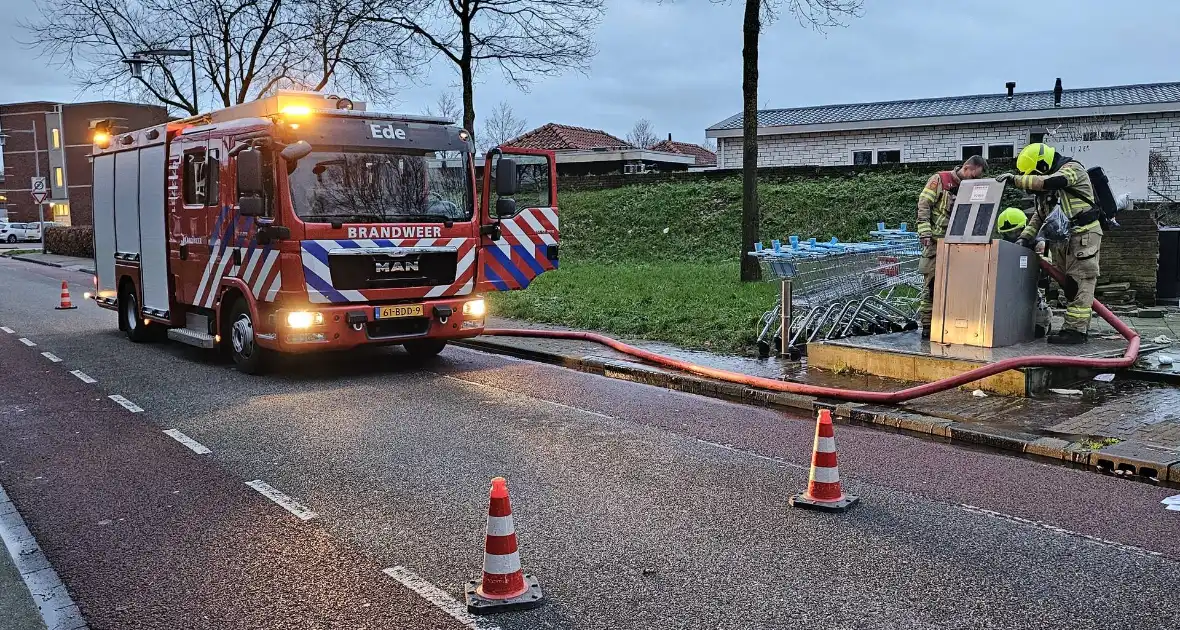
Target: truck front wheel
[(247, 354), (424, 348)]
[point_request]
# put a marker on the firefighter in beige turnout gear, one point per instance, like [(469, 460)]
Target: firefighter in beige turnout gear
[(1058, 180), (934, 213)]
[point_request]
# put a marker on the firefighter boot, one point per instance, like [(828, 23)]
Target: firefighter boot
[(1067, 337)]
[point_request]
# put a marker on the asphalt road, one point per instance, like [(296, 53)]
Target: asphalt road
[(635, 507)]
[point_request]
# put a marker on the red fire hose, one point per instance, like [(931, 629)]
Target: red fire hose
[(852, 395)]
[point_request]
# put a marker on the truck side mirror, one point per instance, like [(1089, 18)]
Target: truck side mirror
[(506, 177), (292, 153), (249, 172), (251, 206), (505, 207)]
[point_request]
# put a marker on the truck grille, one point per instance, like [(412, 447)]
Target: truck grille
[(383, 271)]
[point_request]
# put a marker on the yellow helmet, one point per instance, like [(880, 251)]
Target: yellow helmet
[(1035, 158), (1011, 220)]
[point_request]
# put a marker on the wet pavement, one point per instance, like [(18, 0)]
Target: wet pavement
[(636, 507)]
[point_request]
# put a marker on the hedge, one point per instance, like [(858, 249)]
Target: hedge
[(70, 241)]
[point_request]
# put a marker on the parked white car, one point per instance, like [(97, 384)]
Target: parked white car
[(14, 232)]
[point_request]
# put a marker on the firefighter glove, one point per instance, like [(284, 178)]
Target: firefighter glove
[(1004, 177)]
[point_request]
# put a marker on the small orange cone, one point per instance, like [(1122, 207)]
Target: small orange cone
[(504, 585), (823, 486), (65, 298)]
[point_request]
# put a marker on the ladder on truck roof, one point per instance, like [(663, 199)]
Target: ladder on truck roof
[(313, 102)]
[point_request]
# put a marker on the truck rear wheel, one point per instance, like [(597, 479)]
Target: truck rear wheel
[(247, 354), (424, 348), (133, 325)]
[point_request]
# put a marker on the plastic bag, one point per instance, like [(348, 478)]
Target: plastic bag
[(1123, 202), (1055, 228)]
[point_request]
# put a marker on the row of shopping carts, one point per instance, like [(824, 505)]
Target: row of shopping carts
[(833, 290)]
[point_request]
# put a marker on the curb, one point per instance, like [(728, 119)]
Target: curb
[(1129, 456), (24, 258)]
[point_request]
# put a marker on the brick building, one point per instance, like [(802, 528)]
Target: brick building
[(948, 129), (63, 142)]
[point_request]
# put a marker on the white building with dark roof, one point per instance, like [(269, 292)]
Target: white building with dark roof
[(952, 128)]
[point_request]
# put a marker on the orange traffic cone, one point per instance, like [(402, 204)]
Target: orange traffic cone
[(504, 586), (65, 297), (823, 485)]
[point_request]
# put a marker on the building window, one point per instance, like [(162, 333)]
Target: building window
[(972, 149), (1090, 136), (888, 156), (59, 177), (56, 137), (1000, 151), (861, 157)]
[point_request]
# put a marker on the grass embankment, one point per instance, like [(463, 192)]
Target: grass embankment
[(661, 262)]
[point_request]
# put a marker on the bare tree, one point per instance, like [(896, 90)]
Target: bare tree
[(444, 107), (523, 38), (816, 14), (642, 135), (244, 49), (501, 126), (709, 145)]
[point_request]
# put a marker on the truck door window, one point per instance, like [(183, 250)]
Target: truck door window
[(213, 168), (532, 183), (196, 179)]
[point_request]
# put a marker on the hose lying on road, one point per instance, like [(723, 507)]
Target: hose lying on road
[(853, 395)]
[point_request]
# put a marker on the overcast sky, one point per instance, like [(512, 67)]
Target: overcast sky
[(679, 64)]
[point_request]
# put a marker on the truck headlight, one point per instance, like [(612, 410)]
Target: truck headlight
[(304, 319), (475, 308)]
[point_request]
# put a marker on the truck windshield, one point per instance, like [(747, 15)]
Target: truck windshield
[(381, 187)]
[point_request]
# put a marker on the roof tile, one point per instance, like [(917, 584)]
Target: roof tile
[(555, 137), (703, 156)]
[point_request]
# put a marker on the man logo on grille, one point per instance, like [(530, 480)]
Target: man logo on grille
[(396, 266)]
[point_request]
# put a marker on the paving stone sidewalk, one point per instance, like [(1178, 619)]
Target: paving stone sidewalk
[(74, 263)]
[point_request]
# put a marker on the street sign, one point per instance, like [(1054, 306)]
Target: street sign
[(40, 191)]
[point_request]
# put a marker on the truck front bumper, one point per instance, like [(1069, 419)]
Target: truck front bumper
[(316, 327)]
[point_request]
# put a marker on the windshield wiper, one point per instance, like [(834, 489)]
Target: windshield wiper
[(350, 216)]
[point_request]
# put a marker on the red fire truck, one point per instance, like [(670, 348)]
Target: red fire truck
[(302, 222)]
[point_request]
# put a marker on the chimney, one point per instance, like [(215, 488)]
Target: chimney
[(1011, 85), (669, 137), (1057, 93)]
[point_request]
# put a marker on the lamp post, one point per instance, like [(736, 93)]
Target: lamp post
[(138, 58), (37, 170)]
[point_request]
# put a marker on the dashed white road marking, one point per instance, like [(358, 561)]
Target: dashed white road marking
[(440, 598), (7, 330), (53, 601), (302, 512), (776, 460), (1059, 530), (126, 404), (193, 445), (51, 357), (27, 342), (515, 393), (82, 376)]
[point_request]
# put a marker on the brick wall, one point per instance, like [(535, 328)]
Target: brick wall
[(1130, 253), (944, 142)]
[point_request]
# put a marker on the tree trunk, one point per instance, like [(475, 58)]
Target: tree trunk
[(751, 28), (466, 72)]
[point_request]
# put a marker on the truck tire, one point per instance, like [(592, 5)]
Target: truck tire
[(247, 355), (424, 348), (132, 321)]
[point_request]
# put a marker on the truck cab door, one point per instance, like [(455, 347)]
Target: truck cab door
[(195, 170), (528, 231)]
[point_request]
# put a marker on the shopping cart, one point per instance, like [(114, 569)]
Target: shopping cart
[(832, 290)]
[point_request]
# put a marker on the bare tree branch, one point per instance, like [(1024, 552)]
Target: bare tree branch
[(244, 49), (501, 126), (523, 39), (642, 135)]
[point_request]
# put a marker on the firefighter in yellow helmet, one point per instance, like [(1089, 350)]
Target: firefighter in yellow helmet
[(1009, 225), (1057, 180), (934, 212)]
